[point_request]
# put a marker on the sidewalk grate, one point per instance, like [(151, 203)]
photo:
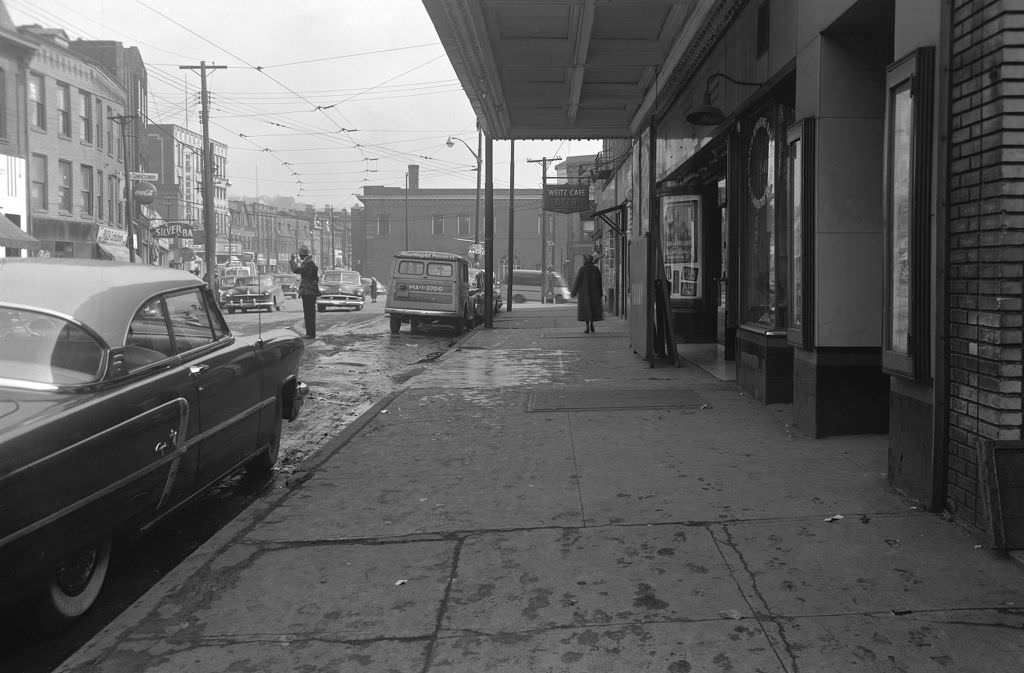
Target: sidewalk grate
[(590, 398)]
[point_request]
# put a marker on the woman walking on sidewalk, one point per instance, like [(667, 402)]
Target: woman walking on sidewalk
[(588, 288)]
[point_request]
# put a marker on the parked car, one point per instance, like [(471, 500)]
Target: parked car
[(430, 287), (340, 288), (254, 292), (123, 394), (289, 283), (477, 292)]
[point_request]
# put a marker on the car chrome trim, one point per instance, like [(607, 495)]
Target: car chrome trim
[(174, 456), (180, 401), (206, 434), (28, 385)]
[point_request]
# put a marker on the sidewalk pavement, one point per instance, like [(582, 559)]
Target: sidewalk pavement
[(540, 499)]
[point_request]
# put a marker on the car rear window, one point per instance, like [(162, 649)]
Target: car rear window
[(40, 348), (408, 267)]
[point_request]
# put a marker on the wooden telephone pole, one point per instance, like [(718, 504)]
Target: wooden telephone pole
[(544, 161), (209, 226)]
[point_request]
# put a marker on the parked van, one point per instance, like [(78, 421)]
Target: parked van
[(429, 287), (526, 286)]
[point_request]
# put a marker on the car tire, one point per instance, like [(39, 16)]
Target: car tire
[(262, 464), (559, 300), (73, 587), (231, 311), (519, 299), (396, 323)]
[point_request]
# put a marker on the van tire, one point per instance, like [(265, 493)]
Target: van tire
[(396, 323)]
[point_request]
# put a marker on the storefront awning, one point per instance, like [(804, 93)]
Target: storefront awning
[(113, 253), (12, 236)]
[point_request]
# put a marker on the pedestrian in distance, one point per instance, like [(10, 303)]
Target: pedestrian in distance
[(373, 290), (589, 290), (309, 287)]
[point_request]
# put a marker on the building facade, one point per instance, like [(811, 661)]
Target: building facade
[(75, 153), (829, 191), (16, 52), (175, 154)]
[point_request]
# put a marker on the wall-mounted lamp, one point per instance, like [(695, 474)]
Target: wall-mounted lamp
[(707, 114)]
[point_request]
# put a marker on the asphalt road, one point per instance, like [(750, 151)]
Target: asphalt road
[(353, 362)]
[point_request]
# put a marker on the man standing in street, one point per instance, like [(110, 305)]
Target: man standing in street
[(309, 287)]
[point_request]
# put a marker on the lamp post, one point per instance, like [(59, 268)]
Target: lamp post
[(476, 222)]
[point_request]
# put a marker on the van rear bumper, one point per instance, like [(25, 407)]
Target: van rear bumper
[(423, 313)]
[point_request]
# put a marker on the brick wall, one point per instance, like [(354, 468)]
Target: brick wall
[(986, 239)]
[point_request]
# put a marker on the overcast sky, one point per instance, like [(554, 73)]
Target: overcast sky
[(388, 94)]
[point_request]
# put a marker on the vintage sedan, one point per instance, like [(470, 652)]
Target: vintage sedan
[(123, 394), (340, 288), (254, 293)]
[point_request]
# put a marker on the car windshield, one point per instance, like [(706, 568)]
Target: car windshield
[(263, 282), (40, 348), (338, 277)]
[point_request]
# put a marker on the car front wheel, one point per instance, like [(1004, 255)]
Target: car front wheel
[(73, 587)]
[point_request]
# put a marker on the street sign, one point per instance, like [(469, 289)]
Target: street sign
[(148, 177)]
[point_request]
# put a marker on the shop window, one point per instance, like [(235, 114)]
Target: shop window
[(907, 195), (463, 225), (764, 257), (680, 235), (437, 225), (800, 220), (384, 225)]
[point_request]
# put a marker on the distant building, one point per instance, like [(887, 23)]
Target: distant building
[(76, 156), (175, 154), (396, 218), (15, 53)]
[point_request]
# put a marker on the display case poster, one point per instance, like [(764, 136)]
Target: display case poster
[(680, 235)]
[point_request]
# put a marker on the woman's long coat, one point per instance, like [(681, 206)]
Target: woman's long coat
[(589, 292)]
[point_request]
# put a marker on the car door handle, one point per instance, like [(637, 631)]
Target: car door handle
[(196, 370)]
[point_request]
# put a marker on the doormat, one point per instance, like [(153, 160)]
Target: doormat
[(593, 398)]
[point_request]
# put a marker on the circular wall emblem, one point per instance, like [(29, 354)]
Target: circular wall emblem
[(758, 164)]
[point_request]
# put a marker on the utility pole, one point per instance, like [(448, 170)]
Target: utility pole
[(489, 237), (211, 231), (129, 209), (511, 220), (406, 211), (544, 281)]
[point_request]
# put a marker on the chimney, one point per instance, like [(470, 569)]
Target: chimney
[(414, 178)]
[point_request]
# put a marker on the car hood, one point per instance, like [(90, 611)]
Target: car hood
[(246, 290)]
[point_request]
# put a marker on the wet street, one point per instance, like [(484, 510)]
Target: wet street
[(353, 363)]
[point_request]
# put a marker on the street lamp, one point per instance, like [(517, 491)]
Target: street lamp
[(476, 223)]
